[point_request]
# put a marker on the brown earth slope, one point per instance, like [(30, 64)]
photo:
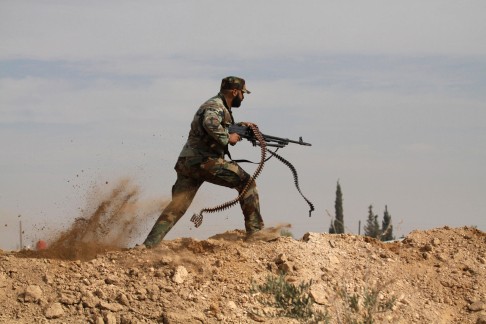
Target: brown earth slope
[(435, 276)]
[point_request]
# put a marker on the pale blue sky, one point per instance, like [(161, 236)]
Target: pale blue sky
[(390, 94)]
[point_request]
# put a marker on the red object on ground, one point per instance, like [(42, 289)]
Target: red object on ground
[(41, 245)]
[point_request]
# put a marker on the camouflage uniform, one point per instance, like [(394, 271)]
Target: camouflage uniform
[(202, 159)]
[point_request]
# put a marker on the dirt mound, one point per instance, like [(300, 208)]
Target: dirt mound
[(434, 276)]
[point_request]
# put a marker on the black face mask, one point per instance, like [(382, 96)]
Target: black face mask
[(236, 102)]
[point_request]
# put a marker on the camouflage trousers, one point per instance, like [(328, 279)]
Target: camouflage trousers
[(191, 174)]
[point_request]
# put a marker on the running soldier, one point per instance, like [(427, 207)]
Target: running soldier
[(202, 159)]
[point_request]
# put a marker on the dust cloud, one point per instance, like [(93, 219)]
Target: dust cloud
[(110, 222)]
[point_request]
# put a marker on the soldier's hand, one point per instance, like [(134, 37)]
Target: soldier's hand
[(234, 138)]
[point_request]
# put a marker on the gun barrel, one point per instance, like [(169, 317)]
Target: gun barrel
[(270, 138)]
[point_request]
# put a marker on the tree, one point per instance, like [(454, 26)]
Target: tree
[(337, 225), (387, 227), (338, 207), (372, 228)]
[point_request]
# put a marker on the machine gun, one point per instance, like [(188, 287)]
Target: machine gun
[(252, 134), (273, 141)]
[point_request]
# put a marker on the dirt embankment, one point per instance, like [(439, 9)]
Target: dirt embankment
[(434, 276)]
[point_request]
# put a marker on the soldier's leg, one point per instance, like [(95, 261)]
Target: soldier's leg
[(230, 174), (183, 192), (250, 205)]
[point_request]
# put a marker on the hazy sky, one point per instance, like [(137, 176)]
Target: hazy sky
[(391, 95)]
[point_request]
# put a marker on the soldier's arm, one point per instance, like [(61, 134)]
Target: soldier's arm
[(212, 123)]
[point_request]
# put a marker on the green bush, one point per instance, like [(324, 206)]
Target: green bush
[(290, 300), (363, 307)]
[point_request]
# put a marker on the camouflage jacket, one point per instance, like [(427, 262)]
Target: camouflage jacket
[(208, 136)]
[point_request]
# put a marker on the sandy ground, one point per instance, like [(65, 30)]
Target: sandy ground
[(434, 276)]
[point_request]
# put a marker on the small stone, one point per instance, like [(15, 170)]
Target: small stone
[(319, 296), (54, 311), (435, 242), (123, 300), (231, 305), (47, 279), (68, 299), (110, 318), (89, 301), (110, 306), (477, 306), (180, 275), (111, 280), (282, 258), (214, 308), (32, 294)]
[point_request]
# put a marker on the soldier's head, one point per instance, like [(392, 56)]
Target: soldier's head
[(234, 89)]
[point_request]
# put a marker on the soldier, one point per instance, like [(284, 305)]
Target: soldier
[(202, 159)]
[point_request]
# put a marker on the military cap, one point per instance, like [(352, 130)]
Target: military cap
[(232, 82)]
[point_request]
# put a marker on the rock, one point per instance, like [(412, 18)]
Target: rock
[(47, 279), (123, 300), (68, 299), (435, 242), (111, 280), (214, 308), (89, 301), (32, 294), (54, 311), (231, 305), (477, 306), (318, 295), (110, 306), (180, 274), (11, 272), (110, 318), (281, 258)]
